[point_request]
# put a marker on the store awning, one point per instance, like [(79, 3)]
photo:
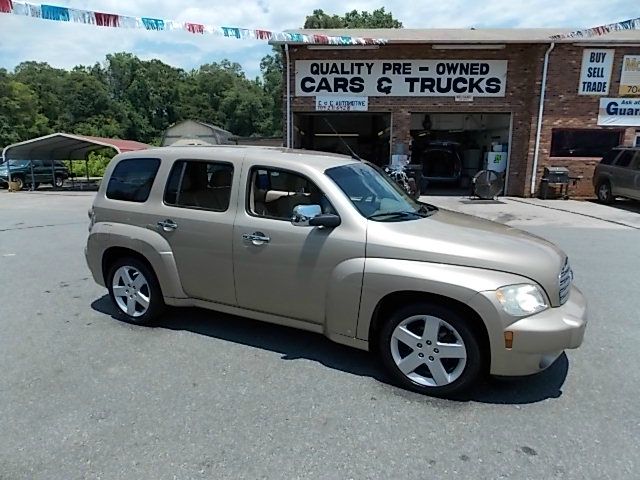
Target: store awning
[(65, 146)]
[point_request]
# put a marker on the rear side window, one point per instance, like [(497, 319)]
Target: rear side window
[(609, 157), (625, 159), (199, 185), (132, 179)]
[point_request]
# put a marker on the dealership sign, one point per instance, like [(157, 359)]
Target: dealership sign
[(401, 78), (596, 72), (342, 104), (619, 112), (630, 76)]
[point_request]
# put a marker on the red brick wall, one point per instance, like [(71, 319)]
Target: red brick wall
[(564, 108)]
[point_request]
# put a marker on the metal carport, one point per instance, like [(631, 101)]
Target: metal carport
[(65, 146)]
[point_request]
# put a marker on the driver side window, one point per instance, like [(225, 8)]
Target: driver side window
[(274, 193)]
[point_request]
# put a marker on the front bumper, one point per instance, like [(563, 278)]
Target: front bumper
[(538, 340)]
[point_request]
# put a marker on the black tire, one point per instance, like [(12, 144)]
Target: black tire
[(604, 193), (473, 370), (156, 301), (58, 181), (36, 185)]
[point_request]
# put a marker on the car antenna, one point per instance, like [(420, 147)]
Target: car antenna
[(354, 155)]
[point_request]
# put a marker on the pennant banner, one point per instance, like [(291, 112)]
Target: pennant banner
[(64, 14), (633, 24)]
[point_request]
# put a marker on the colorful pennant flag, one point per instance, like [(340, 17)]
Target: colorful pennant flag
[(64, 14), (632, 24)]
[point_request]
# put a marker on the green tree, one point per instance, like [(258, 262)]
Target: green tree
[(20, 117), (48, 83), (376, 19), (271, 68)]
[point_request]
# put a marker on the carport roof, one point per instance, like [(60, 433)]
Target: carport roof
[(66, 146)]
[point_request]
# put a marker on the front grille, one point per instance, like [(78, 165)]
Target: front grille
[(565, 278)]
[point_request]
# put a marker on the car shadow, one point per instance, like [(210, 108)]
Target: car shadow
[(293, 344), (623, 204)]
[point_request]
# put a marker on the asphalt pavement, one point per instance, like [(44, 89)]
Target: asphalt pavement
[(205, 395)]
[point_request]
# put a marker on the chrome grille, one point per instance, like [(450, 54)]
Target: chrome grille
[(564, 279)]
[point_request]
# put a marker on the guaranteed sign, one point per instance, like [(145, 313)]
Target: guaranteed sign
[(401, 78), (619, 112)]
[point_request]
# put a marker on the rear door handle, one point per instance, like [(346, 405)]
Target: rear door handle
[(167, 225), (257, 238)]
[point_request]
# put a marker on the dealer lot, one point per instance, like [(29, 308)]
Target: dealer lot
[(206, 395)]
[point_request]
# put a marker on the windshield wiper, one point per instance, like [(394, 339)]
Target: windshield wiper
[(428, 209), (398, 214)]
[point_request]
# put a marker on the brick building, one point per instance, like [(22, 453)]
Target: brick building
[(474, 95)]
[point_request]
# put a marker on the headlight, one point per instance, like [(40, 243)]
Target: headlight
[(519, 300)]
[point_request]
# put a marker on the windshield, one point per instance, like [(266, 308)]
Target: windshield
[(375, 195), (15, 163)]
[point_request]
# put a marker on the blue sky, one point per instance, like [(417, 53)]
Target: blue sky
[(66, 45)]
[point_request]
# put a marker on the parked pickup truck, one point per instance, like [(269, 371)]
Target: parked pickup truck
[(26, 172), (324, 243)]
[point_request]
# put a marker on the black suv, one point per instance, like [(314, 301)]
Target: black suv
[(441, 160), (44, 171)]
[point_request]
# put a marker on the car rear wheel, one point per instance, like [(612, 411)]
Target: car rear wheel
[(58, 182), (604, 192), (431, 349), (135, 291)]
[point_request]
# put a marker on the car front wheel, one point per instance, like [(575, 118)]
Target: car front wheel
[(431, 349), (135, 291), (58, 182)]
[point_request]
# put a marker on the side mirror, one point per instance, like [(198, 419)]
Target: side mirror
[(312, 216)]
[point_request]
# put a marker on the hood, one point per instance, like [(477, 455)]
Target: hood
[(458, 239)]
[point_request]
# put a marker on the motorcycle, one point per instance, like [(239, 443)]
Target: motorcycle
[(398, 173)]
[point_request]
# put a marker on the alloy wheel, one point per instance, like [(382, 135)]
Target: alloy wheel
[(131, 291), (428, 350), (604, 192)]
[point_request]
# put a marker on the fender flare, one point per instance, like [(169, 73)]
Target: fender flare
[(144, 241)]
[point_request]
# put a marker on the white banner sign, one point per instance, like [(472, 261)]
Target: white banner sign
[(402, 78), (630, 76), (619, 112), (342, 104), (596, 72)]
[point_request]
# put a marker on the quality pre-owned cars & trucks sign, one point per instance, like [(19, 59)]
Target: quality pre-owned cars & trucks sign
[(401, 78)]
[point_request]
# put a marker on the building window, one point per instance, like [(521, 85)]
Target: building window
[(583, 143), (132, 179)]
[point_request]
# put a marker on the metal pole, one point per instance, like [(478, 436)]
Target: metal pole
[(33, 177), (289, 133), (543, 89), (53, 174)]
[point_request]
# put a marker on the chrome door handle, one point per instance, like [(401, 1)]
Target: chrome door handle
[(257, 238), (167, 225)]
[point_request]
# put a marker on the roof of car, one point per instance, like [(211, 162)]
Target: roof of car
[(289, 157)]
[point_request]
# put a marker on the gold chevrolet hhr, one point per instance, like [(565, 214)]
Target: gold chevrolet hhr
[(329, 244)]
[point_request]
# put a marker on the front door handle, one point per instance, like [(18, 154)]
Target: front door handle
[(257, 238), (167, 225)]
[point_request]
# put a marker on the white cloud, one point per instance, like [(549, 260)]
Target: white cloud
[(66, 45)]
